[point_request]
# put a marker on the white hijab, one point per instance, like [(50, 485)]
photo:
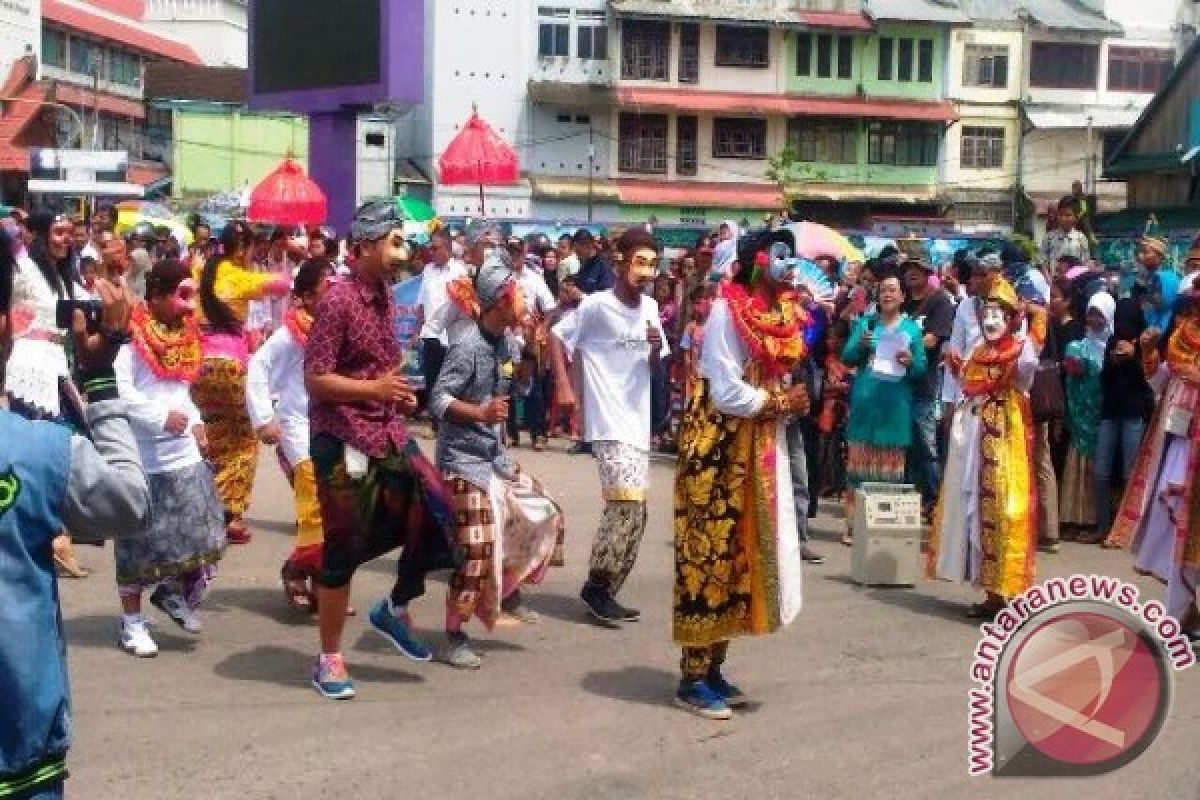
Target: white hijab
[(1094, 343), (725, 253)]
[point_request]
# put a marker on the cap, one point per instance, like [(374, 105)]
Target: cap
[(583, 236), (494, 277)]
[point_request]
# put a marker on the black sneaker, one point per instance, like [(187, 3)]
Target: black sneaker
[(627, 614), (580, 448), (601, 606)]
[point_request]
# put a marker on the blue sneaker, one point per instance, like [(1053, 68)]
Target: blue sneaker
[(732, 695), (701, 700), (397, 632), (331, 679)]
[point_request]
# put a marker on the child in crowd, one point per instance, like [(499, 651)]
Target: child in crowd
[(178, 553), (831, 418)]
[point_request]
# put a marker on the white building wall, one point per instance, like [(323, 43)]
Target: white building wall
[(215, 29), (20, 32), (375, 163)]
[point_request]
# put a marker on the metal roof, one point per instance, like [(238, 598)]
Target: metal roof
[(1049, 116), (1064, 15), (771, 12), (944, 11)]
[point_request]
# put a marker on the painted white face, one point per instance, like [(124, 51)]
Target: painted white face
[(994, 322)]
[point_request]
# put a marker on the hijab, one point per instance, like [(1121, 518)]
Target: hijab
[(1167, 281), (1094, 343), (725, 253)]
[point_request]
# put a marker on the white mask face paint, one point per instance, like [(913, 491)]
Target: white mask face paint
[(994, 323)]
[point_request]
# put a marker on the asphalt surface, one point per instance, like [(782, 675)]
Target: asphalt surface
[(864, 696)]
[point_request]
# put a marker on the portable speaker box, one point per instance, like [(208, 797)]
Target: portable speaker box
[(887, 535)]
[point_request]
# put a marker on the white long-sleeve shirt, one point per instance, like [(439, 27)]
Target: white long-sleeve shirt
[(433, 296), (722, 363), (963, 337), (277, 368), (148, 400)]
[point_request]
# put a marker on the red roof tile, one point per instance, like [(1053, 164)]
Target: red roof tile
[(648, 98), (101, 27), (698, 194), (145, 173), (23, 102), (846, 21), (134, 9)]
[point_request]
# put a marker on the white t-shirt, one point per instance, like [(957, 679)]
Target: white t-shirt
[(608, 339)]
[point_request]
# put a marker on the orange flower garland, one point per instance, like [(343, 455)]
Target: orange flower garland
[(171, 353), (775, 337), (298, 322)]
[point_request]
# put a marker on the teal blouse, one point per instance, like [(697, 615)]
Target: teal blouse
[(1084, 397), (881, 412)]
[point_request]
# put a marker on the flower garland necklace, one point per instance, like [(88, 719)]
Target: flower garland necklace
[(171, 353), (299, 323), (775, 337)]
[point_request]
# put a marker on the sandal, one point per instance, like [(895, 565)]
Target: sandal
[(236, 532), (295, 588)]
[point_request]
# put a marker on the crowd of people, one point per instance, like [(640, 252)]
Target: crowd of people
[(1030, 396)]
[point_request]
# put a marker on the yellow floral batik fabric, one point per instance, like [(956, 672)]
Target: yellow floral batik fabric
[(726, 582), (1007, 496), (220, 394)]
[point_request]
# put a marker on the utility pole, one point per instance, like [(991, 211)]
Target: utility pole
[(591, 167)]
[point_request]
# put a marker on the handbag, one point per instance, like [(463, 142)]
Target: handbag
[(1046, 399)]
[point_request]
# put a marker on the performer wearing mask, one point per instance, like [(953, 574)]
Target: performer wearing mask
[(737, 557), (177, 555), (504, 521), (985, 525)]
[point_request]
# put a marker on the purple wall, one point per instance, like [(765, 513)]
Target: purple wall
[(331, 155)]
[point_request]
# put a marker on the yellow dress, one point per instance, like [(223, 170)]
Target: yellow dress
[(220, 391)]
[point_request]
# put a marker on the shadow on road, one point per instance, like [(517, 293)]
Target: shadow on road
[(645, 685), (909, 600), (566, 608), (284, 666), (265, 602), (271, 525), (100, 630)]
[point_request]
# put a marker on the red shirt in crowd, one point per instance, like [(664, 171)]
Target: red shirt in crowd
[(353, 335)]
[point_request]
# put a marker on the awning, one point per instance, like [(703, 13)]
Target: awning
[(127, 31), (146, 173), (865, 193), (838, 20), (105, 102), (646, 98), (1101, 118), (1134, 164), (699, 194), (97, 188), (550, 188)]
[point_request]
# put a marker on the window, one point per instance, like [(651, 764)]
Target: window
[(904, 60), (123, 68), (645, 48), (554, 39), (686, 150), (985, 65), (828, 141), (885, 58), (83, 55), (804, 50), (689, 53), (982, 148), (54, 48), (902, 144), (925, 61), (824, 55), (593, 42), (742, 47), (1138, 69), (735, 137), (642, 143), (845, 57), (1055, 65)]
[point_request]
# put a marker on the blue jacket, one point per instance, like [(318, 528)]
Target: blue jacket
[(35, 719)]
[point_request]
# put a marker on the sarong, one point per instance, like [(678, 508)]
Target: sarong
[(185, 532), (220, 394), (870, 464), (508, 535), (1076, 504)]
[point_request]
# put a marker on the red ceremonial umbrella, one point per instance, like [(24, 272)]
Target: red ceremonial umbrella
[(287, 197), (478, 155)]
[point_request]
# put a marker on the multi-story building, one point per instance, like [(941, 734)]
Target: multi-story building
[(722, 107), (86, 88), (216, 29), (20, 31)]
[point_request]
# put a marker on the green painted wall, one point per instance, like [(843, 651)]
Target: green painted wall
[(865, 70), (217, 151), (673, 215)]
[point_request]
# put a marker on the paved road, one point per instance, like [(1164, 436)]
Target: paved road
[(863, 697)]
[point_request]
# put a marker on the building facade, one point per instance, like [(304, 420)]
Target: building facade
[(216, 29)]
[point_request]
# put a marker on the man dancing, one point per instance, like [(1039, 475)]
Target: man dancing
[(377, 492), (616, 336), (503, 519)]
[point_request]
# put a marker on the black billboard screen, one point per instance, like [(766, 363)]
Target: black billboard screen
[(315, 44)]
